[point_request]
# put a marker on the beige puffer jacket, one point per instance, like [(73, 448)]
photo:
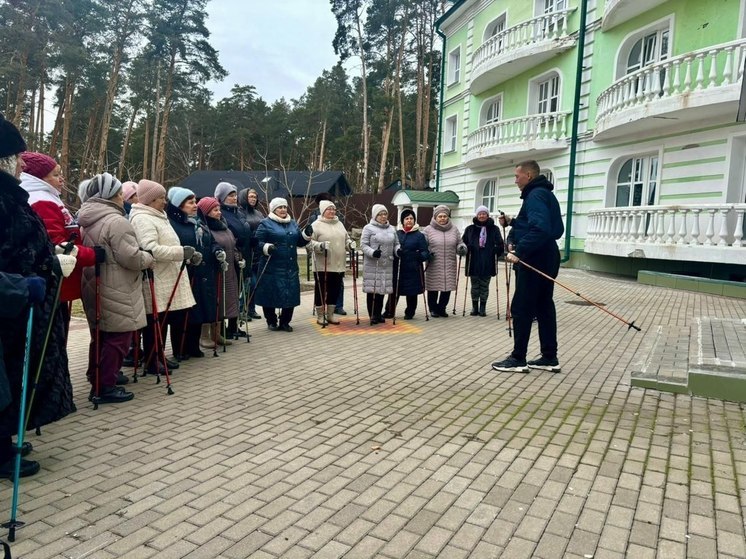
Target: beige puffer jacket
[(155, 233), (333, 231), (104, 224)]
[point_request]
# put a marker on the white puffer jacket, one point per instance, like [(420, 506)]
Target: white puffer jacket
[(155, 233)]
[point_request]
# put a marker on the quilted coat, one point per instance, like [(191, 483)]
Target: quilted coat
[(443, 241), (378, 273)]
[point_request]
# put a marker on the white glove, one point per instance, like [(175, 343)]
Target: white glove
[(324, 246), (220, 255), (268, 249), (196, 259), (351, 246), (224, 266), (67, 263), (60, 249), (242, 264)]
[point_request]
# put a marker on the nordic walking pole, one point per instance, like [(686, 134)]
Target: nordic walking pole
[(455, 295), (14, 523), (261, 275), (497, 286), (466, 294), (508, 270), (168, 304), (97, 334), (217, 315), (158, 335), (375, 280), (326, 288), (599, 307), (424, 297), (222, 322), (186, 323), (353, 265)]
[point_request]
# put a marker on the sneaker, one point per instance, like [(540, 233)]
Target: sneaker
[(545, 364), (340, 311), (511, 365), (28, 468)]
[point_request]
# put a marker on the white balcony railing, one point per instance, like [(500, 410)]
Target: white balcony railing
[(670, 232), (545, 28), (702, 70), (543, 127)]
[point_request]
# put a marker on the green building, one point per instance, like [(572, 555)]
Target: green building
[(658, 159)]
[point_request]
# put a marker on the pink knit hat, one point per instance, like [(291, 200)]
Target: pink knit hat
[(129, 189), (38, 164), (149, 191), (206, 204)]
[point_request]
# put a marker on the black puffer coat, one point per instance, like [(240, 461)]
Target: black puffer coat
[(203, 278), (25, 249), (408, 269), (240, 228), (480, 261), (253, 216)]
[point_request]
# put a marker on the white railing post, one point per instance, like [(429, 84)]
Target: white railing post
[(695, 227), (671, 227), (710, 232), (723, 234), (682, 230), (738, 233)]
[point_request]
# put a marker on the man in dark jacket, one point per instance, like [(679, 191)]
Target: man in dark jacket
[(532, 239)]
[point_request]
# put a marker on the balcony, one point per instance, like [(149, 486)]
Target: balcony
[(619, 11), (701, 233), (703, 85), (517, 138), (515, 50)]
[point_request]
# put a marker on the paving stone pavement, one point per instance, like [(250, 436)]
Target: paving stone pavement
[(401, 444)]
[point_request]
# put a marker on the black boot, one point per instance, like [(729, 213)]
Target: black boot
[(114, 395), (482, 308), (474, 307)]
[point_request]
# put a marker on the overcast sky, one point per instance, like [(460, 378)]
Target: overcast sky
[(278, 46)]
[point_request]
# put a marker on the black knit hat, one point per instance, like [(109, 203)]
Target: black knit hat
[(11, 141)]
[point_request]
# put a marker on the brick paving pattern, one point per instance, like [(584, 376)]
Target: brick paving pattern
[(310, 444)]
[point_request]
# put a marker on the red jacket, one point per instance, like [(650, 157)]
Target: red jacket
[(61, 228)]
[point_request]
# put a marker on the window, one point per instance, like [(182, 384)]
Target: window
[(454, 66), (489, 195), (491, 112), (549, 175), (648, 50), (495, 27), (451, 134), (637, 182), (548, 93), (549, 6)]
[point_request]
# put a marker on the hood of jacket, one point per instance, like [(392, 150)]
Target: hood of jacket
[(539, 182), (143, 210), (489, 223), (39, 190), (95, 209)]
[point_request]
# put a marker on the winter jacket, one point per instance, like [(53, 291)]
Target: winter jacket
[(61, 228), (538, 225), (203, 278), (442, 241), (332, 231), (279, 286), (121, 293), (155, 234), (378, 273), (253, 216), (480, 260), (228, 281), (240, 228), (25, 250), (408, 267), (13, 302)]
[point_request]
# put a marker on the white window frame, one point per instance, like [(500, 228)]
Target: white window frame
[(542, 7), (454, 66), (486, 106), (645, 172), (534, 87), (496, 26), (450, 134), (549, 174), (628, 43), (488, 199)]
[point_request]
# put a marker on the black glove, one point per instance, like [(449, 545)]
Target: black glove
[(398, 253), (461, 251), (270, 248), (37, 289), (377, 253), (100, 254), (188, 252), (308, 230)]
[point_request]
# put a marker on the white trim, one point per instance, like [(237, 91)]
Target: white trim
[(504, 15), (742, 19), (450, 141), (633, 36), (609, 198), (532, 103), (485, 105), (452, 79)]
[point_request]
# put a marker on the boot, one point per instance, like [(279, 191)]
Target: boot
[(320, 315), (205, 339), (474, 307), (330, 315), (483, 308)]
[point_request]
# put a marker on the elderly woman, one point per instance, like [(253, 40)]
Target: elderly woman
[(484, 244), (228, 256), (172, 292), (329, 245), (380, 246), (444, 242), (248, 201), (203, 270), (42, 179), (278, 237), (120, 306)]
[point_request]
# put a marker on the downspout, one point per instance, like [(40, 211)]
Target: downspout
[(574, 136), (440, 107)]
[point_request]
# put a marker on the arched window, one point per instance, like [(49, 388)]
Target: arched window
[(637, 182), (494, 27), (544, 94), (489, 195)]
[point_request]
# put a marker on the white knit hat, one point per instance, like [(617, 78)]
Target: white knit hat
[(378, 208), (325, 205), (276, 203)]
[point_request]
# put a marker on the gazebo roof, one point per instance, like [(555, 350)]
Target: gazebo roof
[(425, 198)]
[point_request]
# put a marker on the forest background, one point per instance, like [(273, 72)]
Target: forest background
[(127, 80)]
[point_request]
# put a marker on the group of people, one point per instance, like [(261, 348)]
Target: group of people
[(150, 263)]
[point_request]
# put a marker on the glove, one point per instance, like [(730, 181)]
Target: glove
[(308, 231), (67, 248), (188, 252), (224, 266), (100, 254), (242, 264), (461, 251), (352, 246), (398, 253), (268, 249), (325, 245), (220, 255), (196, 259), (377, 253), (505, 220), (67, 264), (37, 289)]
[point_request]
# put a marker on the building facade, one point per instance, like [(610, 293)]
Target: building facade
[(659, 162)]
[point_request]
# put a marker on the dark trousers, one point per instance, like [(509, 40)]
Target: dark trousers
[(177, 331), (114, 346), (480, 288), (340, 301), (149, 341), (438, 301), (533, 299), (327, 288), (374, 301), (271, 316), (411, 308)]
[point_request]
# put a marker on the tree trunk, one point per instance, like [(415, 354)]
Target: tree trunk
[(397, 89), (385, 139), (40, 117), (364, 84), (58, 123), (31, 136), (156, 110), (126, 142), (109, 108), (322, 147), (146, 147), (160, 168), (21, 91)]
